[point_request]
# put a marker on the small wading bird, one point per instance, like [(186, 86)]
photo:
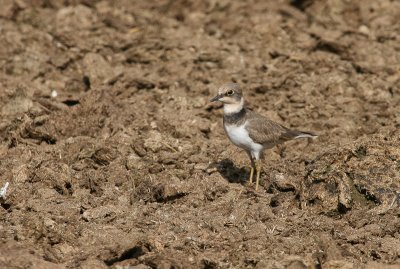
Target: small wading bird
[(249, 130)]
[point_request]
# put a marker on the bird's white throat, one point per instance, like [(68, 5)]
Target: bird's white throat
[(233, 108)]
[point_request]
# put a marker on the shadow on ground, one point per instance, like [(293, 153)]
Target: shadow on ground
[(231, 172)]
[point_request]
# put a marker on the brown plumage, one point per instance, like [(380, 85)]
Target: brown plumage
[(268, 133)]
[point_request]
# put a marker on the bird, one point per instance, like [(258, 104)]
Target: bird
[(250, 130)]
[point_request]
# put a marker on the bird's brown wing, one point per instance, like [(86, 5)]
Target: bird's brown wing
[(266, 132)]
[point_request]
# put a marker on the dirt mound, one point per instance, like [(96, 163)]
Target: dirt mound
[(362, 174), (115, 157)]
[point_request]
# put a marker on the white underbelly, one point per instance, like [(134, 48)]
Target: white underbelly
[(240, 137)]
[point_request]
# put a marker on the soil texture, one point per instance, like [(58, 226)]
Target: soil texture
[(116, 159)]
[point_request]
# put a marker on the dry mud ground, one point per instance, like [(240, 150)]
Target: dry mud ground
[(128, 166)]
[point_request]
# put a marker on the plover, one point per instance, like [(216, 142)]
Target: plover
[(249, 130)]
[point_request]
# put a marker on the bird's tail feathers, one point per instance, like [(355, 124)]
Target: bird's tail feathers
[(305, 135)]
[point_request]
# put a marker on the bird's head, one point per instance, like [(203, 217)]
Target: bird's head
[(230, 94)]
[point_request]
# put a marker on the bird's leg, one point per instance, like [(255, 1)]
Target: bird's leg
[(251, 175), (251, 168), (258, 169)]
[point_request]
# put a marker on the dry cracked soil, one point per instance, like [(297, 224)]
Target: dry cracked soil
[(116, 159)]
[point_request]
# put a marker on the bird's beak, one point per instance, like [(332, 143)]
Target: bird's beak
[(216, 98)]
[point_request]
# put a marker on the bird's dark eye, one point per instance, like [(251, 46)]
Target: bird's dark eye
[(230, 92)]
